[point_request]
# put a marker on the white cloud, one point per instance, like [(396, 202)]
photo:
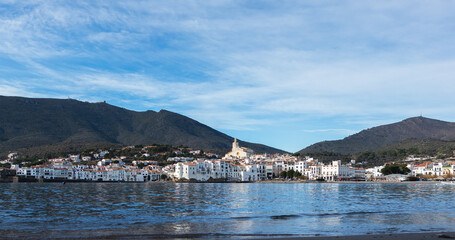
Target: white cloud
[(341, 131), (8, 90), (236, 66)]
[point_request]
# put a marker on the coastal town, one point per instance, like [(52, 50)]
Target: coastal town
[(239, 165)]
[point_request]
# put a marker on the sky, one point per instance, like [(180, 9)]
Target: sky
[(282, 73)]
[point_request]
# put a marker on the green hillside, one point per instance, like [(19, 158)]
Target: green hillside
[(28, 123), (372, 139)]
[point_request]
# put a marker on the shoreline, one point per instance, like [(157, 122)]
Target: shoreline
[(345, 182), (94, 234), (391, 236), (280, 181)]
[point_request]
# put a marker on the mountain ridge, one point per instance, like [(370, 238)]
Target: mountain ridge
[(35, 122), (381, 136)]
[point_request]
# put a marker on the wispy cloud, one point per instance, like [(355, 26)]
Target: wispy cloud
[(7, 90), (336, 131), (237, 65)]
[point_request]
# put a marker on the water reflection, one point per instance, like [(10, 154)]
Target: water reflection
[(225, 209)]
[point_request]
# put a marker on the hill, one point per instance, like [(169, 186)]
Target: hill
[(30, 123), (418, 128), (423, 146)]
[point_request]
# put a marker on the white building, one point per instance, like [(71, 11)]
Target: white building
[(375, 171), (335, 171), (238, 152), (75, 158), (219, 169), (180, 159), (300, 166), (357, 174), (314, 172), (437, 169), (12, 156)]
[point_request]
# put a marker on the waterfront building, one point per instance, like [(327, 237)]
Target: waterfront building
[(300, 167), (115, 174), (279, 167), (357, 174), (261, 167), (335, 171), (112, 172), (437, 169), (185, 171), (269, 170), (375, 171), (417, 169), (447, 170), (219, 169), (314, 172)]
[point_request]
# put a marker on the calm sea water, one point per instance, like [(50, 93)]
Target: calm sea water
[(222, 210)]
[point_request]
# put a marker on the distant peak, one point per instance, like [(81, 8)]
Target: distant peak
[(164, 111), (418, 118)]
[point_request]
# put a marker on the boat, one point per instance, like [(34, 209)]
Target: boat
[(448, 183)]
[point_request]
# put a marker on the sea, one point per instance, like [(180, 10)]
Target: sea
[(223, 210)]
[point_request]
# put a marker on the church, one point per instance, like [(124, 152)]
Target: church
[(238, 152)]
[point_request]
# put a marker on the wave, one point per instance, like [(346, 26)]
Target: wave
[(291, 216)]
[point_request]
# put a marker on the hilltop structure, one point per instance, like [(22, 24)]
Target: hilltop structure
[(238, 152)]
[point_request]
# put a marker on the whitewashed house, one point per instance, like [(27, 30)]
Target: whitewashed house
[(300, 167), (335, 171)]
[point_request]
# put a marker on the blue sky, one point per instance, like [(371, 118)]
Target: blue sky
[(282, 73)]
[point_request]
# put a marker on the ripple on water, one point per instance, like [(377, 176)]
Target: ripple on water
[(295, 209)]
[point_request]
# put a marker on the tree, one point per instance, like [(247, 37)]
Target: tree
[(201, 154), (283, 174), (163, 176), (185, 152), (109, 155), (395, 168), (5, 165), (297, 174), (367, 156), (290, 173), (448, 175)]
